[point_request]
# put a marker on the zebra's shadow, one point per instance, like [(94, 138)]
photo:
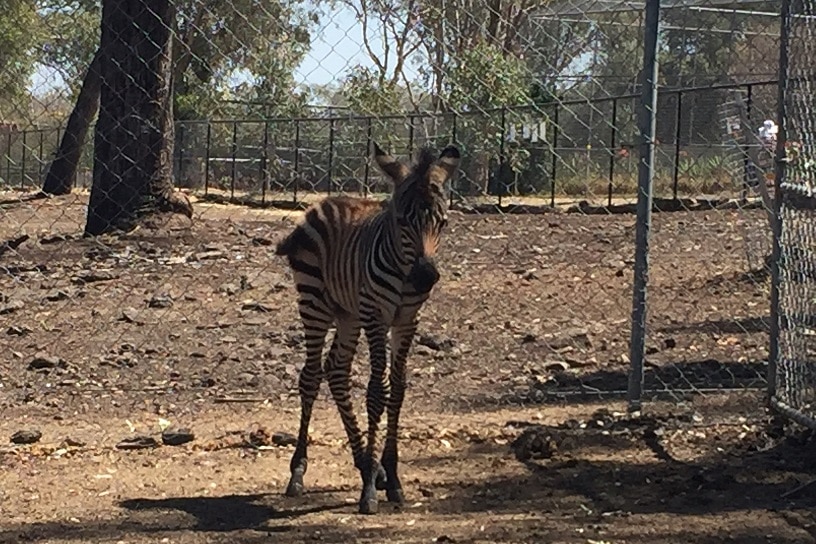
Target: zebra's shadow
[(232, 512)]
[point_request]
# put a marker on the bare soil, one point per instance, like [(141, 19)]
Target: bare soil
[(514, 428)]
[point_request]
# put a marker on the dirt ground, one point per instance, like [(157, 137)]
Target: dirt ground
[(514, 429)]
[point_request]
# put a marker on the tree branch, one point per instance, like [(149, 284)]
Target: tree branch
[(185, 39), (362, 16), (511, 44), (404, 49), (384, 19)]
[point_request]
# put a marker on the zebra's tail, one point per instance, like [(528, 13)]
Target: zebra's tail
[(290, 245)]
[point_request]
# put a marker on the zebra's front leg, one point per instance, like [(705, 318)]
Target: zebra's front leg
[(309, 385), (338, 374), (401, 337), (374, 476)]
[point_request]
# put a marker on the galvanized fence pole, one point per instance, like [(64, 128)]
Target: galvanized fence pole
[(500, 185), (411, 135), (647, 121), (40, 159), (264, 166), (207, 145), (234, 155), (554, 163), (23, 161), (612, 144), (455, 141), (678, 118), (780, 171), (8, 158), (330, 166), (181, 155), (746, 163), (367, 172), (296, 165)]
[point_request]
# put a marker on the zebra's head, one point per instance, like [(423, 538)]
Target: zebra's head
[(419, 207)]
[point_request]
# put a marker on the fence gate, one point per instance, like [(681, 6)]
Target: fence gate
[(793, 333)]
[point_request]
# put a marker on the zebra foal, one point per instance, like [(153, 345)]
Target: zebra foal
[(363, 264)]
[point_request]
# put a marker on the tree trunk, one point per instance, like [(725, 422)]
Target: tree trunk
[(132, 176), (62, 172)]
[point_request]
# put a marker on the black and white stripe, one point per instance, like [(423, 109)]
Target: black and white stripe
[(359, 264)]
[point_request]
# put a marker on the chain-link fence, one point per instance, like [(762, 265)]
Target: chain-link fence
[(792, 350), (126, 327)]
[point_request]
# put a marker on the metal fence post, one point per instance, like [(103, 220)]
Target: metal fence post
[(8, 158), (647, 125), (612, 143), (367, 171), (207, 158), (23, 161), (554, 165), (454, 182), (500, 186), (745, 151), (297, 161), (40, 156), (181, 155), (330, 167), (779, 175), (410, 134), (264, 158), (677, 118), (234, 157)]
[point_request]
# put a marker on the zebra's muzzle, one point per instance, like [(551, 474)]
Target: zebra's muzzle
[(423, 275)]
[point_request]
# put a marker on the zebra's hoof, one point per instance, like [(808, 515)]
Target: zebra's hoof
[(369, 506), (395, 496), (295, 488), (381, 479)]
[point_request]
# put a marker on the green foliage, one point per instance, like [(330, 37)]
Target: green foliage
[(71, 37), (368, 94), (20, 31), (541, 95), (243, 49), (220, 41), (484, 77)]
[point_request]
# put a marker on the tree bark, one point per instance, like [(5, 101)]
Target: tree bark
[(63, 169), (133, 142)]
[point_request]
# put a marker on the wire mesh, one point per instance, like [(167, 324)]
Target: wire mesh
[(710, 280), (115, 338), (795, 387)]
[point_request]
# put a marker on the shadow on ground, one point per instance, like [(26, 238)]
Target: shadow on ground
[(742, 473), (240, 518), (555, 484), (677, 380), (722, 326)]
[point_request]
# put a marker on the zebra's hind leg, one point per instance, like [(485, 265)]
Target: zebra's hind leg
[(401, 337), (381, 480), (316, 326)]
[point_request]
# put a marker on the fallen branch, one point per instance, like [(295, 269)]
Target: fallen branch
[(226, 400), (797, 489)]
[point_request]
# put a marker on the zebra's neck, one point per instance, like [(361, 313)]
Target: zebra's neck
[(386, 241)]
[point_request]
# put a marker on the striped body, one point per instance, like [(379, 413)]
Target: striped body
[(360, 264)]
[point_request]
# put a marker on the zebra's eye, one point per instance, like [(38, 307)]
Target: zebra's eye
[(402, 221)]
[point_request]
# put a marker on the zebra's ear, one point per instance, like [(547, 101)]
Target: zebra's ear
[(445, 166), (392, 167)]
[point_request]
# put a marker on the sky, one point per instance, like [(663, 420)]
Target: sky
[(337, 46)]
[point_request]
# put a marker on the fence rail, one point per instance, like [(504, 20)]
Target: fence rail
[(548, 151)]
